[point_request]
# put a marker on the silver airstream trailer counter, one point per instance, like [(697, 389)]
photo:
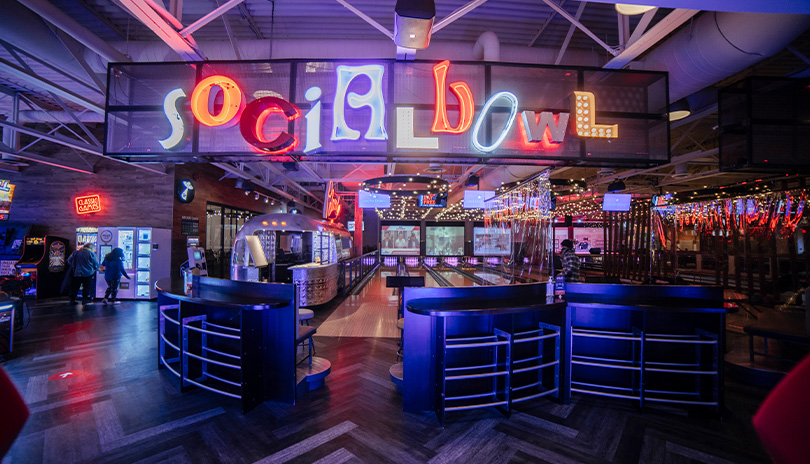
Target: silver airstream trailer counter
[(291, 248)]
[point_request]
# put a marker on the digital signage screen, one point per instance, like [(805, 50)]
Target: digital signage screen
[(433, 200), (444, 241), (399, 240), (476, 198), (616, 202), (373, 200), (6, 195), (492, 241)]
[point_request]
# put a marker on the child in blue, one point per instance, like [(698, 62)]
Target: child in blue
[(113, 267)]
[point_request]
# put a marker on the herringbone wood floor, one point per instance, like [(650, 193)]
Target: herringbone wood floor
[(117, 407)]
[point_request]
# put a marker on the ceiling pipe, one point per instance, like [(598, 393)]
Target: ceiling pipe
[(64, 22), (720, 44), (487, 47), (61, 117)]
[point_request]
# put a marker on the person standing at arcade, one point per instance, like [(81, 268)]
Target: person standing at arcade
[(83, 264), (113, 267), (570, 261)]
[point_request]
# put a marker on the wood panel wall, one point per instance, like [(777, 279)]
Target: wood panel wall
[(44, 197)]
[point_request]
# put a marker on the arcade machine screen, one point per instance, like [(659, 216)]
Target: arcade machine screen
[(126, 240), (6, 195), (399, 240), (103, 251), (492, 241), (444, 241)]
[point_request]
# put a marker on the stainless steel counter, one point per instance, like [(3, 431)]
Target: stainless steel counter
[(317, 283)]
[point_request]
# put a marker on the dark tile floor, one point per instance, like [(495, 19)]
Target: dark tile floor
[(115, 406)]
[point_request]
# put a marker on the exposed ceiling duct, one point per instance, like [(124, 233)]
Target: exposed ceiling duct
[(719, 44)]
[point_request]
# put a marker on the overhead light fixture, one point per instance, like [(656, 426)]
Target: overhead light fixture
[(630, 10), (413, 22), (679, 110), (616, 186)]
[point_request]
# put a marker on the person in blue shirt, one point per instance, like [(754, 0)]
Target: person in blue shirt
[(113, 267)]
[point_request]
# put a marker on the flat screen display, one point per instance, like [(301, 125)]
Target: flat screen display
[(143, 291), (399, 240), (6, 195), (444, 241), (616, 202), (492, 241), (586, 238), (433, 200), (373, 200), (198, 256), (476, 198), (144, 249)]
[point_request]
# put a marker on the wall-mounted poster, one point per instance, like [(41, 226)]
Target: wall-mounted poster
[(399, 240), (444, 241), (492, 241), (6, 195)]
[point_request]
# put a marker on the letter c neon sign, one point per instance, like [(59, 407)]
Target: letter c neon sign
[(232, 104), (256, 114)]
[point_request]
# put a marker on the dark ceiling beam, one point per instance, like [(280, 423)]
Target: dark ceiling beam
[(103, 19)]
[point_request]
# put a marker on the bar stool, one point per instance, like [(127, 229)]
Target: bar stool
[(401, 327), (304, 316)]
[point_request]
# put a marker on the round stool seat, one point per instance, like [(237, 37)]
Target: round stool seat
[(401, 323), (305, 315)]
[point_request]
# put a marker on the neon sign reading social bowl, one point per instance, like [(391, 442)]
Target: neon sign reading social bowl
[(362, 110)]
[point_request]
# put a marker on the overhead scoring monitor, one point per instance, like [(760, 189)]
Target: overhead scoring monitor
[(616, 202)]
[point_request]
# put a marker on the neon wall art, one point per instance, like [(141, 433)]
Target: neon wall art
[(326, 110)]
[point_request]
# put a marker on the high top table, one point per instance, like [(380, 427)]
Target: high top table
[(236, 339)]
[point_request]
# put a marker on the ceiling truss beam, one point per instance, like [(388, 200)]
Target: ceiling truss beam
[(581, 27)]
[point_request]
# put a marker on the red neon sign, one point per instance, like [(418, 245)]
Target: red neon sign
[(256, 113), (332, 206), (466, 104), (88, 204)]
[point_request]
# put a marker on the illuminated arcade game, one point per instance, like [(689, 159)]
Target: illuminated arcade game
[(11, 243), (44, 260), (146, 259)]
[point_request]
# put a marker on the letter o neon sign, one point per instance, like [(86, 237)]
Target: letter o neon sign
[(231, 107)]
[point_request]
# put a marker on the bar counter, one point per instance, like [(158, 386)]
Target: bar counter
[(474, 347), (237, 339)]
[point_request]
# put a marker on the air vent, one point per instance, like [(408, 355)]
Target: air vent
[(434, 169)]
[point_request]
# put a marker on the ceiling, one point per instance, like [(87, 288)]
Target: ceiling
[(59, 80)]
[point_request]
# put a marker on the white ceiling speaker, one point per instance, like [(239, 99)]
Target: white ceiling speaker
[(435, 168), (413, 22), (681, 171)]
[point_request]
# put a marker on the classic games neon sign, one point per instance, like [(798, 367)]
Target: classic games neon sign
[(536, 126), (88, 204)]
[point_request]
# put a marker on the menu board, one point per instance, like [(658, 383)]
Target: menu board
[(492, 241), (399, 240), (444, 241)]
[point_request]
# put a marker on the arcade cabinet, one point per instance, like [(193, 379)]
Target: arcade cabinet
[(196, 259), (43, 262), (11, 240)]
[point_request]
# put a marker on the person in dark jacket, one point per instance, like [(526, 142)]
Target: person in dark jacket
[(84, 264), (570, 261), (113, 267)]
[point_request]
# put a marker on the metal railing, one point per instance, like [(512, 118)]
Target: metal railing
[(353, 271)]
